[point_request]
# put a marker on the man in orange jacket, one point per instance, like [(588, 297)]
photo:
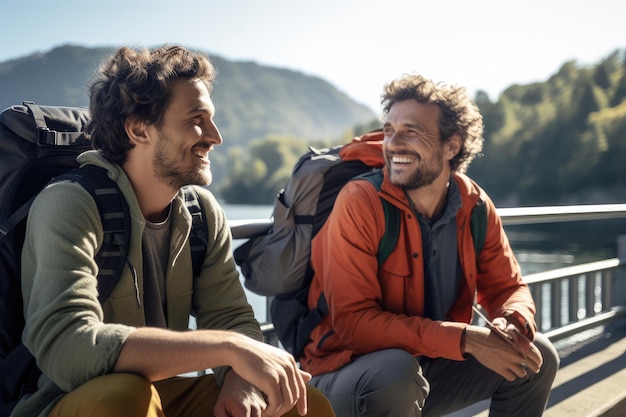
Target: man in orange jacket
[(398, 339)]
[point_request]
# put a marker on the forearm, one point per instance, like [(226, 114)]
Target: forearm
[(159, 353)]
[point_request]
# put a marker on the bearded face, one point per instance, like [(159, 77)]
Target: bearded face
[(181, 167), (414, 152), (410, 171)]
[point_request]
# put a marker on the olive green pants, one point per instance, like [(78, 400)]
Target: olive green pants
[(130, 395)]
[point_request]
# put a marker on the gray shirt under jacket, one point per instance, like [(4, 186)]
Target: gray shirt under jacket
[(442, 269)]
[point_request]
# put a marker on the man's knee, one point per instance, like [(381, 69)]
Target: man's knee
[(394, 382), (551, 360), (386, 382)]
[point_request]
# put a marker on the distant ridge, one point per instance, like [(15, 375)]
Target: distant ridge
[(252, 100)]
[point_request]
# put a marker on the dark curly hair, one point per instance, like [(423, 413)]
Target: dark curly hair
[(138, 84), (458, 113)]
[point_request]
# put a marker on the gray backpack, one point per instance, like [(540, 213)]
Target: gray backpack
[(278, 263)]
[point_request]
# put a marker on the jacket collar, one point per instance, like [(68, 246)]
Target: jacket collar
[(468, 189)]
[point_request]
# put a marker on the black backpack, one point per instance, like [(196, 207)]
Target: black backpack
[(38, 145)]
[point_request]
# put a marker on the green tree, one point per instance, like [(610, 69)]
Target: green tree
[(553, 142), (620, 91), (256, 176)]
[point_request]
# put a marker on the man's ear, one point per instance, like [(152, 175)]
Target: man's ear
[(136, 131), (452, 146)]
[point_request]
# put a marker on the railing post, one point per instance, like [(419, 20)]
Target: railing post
[(618, 287), (555, 304), (590, 298), (538, 298), (572, 285)]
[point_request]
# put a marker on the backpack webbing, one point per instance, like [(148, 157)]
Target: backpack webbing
[(392, 219), (478, 222), (198, 238), (478, 226), (115, 218)]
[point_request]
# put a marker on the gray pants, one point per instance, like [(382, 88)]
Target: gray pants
[(392, 383)]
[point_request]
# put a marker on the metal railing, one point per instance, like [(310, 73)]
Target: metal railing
[(576, 298), (569, 300), (572, 299)]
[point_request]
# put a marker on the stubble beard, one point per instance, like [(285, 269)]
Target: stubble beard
[(171, 166), (425, 173)]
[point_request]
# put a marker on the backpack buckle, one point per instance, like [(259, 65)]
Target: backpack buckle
[(48, 137)]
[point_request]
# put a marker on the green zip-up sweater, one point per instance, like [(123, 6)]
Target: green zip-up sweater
[(76, 339)]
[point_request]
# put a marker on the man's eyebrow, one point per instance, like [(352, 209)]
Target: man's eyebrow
[(414, 125), (201, 109), (407, 125)]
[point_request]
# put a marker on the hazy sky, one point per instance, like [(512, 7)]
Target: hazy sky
[(357, 45)]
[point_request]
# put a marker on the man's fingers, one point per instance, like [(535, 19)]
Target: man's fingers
[(302, 404), (274, 400), (291, 392), (533, 358), (303, 407)]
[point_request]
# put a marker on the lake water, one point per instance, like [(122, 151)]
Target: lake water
[(536, 248)]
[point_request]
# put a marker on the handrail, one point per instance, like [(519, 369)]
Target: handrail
[(581, 269), (243, 229), (553, 214)]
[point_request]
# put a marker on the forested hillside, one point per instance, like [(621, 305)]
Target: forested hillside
[(560, 141), (252, 100)]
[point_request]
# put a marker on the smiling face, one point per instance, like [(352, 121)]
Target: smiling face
[(414, 152), (188, 134)]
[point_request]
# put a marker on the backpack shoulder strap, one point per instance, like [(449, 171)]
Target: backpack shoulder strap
[(478, 225), (392, 218), (198, 237), (115, 218), (392, 229)]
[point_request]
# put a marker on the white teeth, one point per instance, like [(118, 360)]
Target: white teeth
[(201, 154), (402, 160)]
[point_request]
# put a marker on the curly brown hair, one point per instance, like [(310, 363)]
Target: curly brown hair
[(138, 84), (458, 112)]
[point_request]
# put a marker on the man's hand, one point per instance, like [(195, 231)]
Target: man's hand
[(506, 352), (239, 398), (274, 372)]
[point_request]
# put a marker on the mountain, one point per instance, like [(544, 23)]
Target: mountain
[(252, 100)]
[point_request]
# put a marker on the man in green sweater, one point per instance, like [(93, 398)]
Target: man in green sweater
[(152, 129)]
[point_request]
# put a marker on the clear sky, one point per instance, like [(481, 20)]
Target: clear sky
[(357, 45)]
